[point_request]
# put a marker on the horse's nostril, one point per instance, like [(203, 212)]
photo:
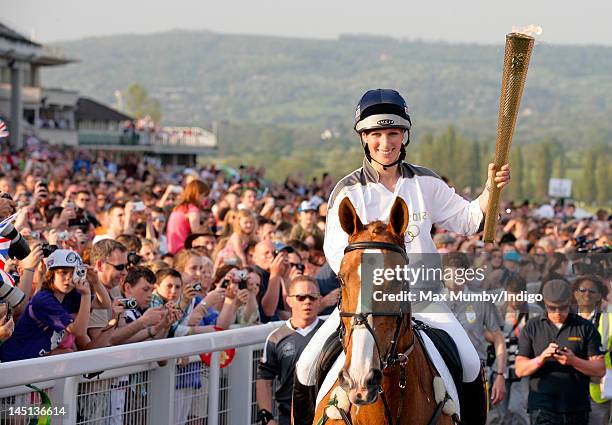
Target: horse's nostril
[(374, 378)]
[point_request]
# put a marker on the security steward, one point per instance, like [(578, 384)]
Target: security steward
[(559, 351)]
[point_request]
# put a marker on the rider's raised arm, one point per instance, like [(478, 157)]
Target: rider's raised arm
[(450, 211)]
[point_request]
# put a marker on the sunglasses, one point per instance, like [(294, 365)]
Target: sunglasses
[(303, 297), (298, 266), (118, 267), (557, 308), (589, 290), (160, 218)]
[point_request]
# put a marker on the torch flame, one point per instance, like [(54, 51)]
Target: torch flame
[(531, 30)]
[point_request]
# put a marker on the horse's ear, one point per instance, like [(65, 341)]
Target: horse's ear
[(349, 220), (398, 219)]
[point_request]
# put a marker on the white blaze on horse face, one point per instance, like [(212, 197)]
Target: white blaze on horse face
[(364, 357)]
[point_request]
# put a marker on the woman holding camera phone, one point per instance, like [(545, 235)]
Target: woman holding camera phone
[(241, 287)]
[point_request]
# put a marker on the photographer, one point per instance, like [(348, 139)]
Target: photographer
[(273, 265), (108, 259), (242, 286), (136, 321), (48, 327), (559, 352)]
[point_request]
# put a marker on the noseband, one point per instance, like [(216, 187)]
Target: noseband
[(392, 357)]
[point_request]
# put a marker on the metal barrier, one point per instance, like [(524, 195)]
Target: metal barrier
[(126, 385)]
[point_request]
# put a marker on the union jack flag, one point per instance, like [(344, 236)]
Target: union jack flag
[(3, 130)]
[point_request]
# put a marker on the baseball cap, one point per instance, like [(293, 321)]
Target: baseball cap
[(280, 246), (556, 292), (512, 256), (307, 206), (63, 258)]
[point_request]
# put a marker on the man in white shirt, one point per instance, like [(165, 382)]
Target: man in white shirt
[(383, 124)]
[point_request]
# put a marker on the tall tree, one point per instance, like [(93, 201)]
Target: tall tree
[(543, 169), (588, 188), (517, 183), (139, 104)]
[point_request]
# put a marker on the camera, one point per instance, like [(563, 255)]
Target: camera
[(139, 206), (63, 236), (134, 259), (10, 294), (197, 287), (225, 283), (79, 273), (48, 249), (79, 221), (128, 303), (19, 247)]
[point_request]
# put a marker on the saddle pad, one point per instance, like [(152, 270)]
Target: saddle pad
[(442, 369), (435, 356)]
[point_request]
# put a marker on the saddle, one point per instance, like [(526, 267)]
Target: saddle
[(441, 339)]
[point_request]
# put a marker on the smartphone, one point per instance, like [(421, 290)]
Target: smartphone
[(176, 189), (139, 206)]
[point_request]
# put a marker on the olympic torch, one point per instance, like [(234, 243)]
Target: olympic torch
[(516, 61)]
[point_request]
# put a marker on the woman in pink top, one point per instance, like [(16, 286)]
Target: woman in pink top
[(185, 219)]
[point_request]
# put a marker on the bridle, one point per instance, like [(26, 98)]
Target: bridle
[(392, 357)]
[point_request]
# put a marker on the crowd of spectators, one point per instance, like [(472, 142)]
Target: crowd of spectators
[(171, 253)]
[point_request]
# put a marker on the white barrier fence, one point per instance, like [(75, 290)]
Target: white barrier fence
[(134, 389)]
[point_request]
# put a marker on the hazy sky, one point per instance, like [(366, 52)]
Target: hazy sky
[(483, 21)]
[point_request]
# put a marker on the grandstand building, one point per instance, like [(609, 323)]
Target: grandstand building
[(61, 117)]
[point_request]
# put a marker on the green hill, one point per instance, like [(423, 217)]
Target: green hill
[(311, 85)]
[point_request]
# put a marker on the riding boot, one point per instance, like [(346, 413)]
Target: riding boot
[(303, 403), (473, 401), (305, 396)]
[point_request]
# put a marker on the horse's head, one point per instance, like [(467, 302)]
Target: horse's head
[(372, 341)]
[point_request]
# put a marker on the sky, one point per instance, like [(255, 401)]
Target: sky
[(479, 21)]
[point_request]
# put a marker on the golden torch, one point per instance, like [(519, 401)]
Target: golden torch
[(516, 61)]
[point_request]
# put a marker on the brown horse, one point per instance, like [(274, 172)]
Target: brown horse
[(387, 375)]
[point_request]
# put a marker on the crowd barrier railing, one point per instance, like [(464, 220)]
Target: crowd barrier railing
[(128, 385)]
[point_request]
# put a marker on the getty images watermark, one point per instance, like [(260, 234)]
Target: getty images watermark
[(388, 284)]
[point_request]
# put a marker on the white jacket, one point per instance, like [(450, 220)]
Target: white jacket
[(429, 199)]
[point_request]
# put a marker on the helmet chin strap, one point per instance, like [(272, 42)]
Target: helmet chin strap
[(402, 156)]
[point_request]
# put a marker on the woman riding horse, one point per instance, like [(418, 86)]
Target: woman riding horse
[(383, 124), (385, 357)]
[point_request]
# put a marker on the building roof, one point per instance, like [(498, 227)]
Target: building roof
[(6, 32), (90, 110)]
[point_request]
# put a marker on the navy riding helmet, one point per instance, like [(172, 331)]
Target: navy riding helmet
[(379, 109)]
